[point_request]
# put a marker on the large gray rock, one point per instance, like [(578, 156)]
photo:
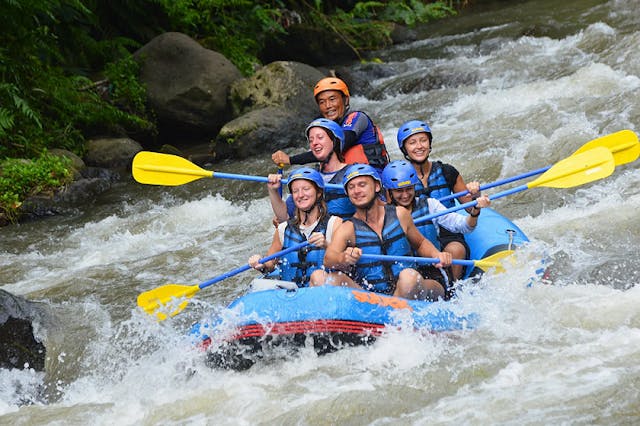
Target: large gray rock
[(272, 109), (282, 84), (19, 346), (259, 131), (187, 85), (111, 153)]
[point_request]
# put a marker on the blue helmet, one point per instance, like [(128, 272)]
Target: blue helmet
[(355, 170), (334, 129), (399, 174), (410, 128), (306, 173)]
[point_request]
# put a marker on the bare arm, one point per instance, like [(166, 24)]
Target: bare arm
[(460, 186), (278, 205), (339, 255)]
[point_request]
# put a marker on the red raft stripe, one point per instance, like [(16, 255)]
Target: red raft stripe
[(302, 327)]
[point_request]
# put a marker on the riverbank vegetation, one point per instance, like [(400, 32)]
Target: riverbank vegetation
[(68, 73)]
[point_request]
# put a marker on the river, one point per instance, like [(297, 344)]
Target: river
[(505, 90)]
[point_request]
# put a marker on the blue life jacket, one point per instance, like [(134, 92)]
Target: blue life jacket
[(297, 266), (438, 186), (428, 229), (338, 203), (376, 275)]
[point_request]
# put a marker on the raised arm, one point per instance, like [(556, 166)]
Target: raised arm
[(278, 205)]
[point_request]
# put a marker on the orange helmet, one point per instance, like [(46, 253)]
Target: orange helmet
[(330, 83)]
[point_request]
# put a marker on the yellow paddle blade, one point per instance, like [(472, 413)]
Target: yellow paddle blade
[(578, 169), (493, 261), (623, 145), (160, 297), (155, 168)]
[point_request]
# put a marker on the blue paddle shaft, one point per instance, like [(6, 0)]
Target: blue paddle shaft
[(264, 179), (389, 258), (247, 267), (469, 204), (498, 183)]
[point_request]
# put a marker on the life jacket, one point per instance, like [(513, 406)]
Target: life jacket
[(338, 203), (380, 276), (370, 148), (428, 228), (437, 185), (297, 266)]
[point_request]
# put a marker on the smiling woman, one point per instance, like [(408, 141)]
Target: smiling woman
[(310, 222)]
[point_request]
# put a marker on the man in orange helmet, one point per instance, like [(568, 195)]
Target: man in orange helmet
[(363, 142)]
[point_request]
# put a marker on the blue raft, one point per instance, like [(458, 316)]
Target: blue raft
[(332, 317)]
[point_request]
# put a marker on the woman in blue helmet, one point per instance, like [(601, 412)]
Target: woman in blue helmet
[(400, 179), (311, 222), (379, 229), (437, 180), (325, 139)]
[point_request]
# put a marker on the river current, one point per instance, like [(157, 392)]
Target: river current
[(505, 90)]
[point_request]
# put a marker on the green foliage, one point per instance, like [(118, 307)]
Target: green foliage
[(46, 100), (414, 11), (15, 106), (368, 25), (22, 178), (235, 28)]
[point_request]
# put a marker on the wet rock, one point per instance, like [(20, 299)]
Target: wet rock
[(187, 84), (288, 85), (260, 131), (67, 200), (111, 153), (273, 108), (19, 346)]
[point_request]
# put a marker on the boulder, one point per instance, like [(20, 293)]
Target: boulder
[(272, 109), (187, 85), (111, 153), (260, 131), (282, 84), (80, 193), (19, 346)]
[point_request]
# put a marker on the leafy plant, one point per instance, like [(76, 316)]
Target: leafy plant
[(235, 28), (22, 178)]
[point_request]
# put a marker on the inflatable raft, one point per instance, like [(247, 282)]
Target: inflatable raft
[(331, 317)]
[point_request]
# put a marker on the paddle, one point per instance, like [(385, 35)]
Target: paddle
[(493, 261), (151, 300), (155, 168), (576, 170), (623, 145)]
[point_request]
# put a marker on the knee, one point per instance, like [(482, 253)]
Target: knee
[(456, 249), (318, 278), (408, 275)]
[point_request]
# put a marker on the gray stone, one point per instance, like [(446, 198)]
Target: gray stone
[(187, 85), (111, 153)]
